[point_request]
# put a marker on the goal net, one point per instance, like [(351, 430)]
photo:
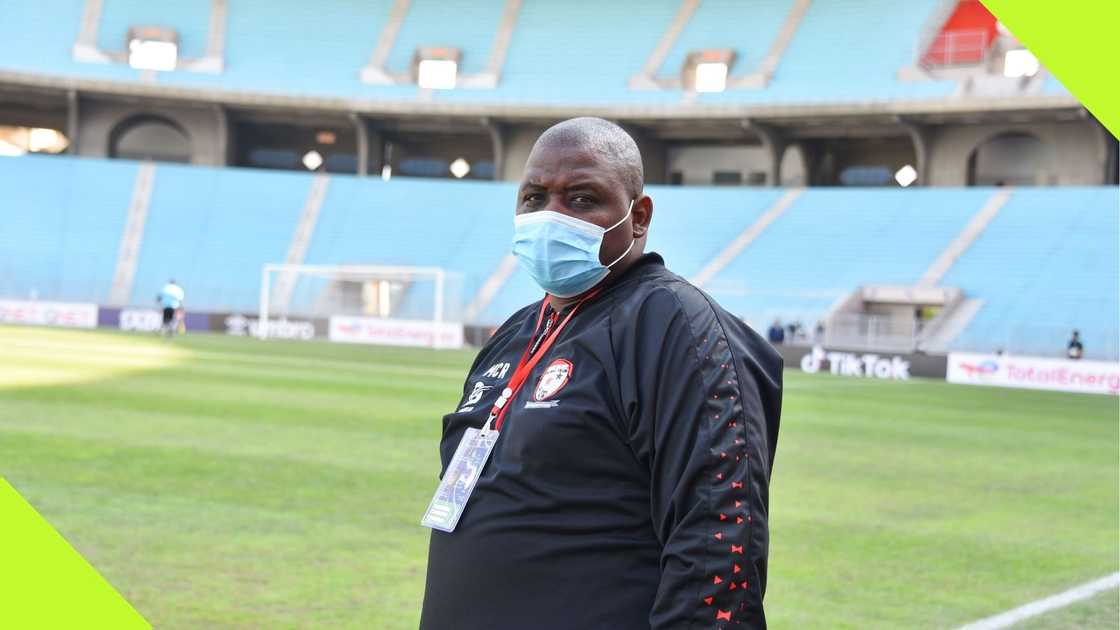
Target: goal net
[(389, 305)]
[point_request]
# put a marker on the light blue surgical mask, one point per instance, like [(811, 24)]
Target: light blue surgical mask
[(561, 252)]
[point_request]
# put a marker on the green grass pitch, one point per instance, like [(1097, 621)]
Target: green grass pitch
[(226, 482)]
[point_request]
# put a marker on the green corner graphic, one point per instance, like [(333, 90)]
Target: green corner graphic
[(1077, 42), (44, 583)]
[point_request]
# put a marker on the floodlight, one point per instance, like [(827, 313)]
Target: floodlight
[(49, 140), (707, 70), (1019, 63), (906, 175), (312, 160), (437, 74), (460, 168), (152, 54), (711, 77)]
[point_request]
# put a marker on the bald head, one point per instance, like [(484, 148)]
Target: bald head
[(609, 142)]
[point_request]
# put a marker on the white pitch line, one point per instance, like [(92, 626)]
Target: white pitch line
[(1046, 604)]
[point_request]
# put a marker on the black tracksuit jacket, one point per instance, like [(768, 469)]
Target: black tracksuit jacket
[(628, 488)]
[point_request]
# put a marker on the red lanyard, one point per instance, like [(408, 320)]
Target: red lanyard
[(529, 360)]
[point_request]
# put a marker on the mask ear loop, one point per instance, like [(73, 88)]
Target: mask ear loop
[(623, 219), (632, 240)]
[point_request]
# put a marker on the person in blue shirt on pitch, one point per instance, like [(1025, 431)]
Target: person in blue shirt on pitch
[(171, 299)]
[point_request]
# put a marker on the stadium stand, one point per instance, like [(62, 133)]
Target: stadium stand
[(426, 24), (62, 221), (189, 18), (694, 223), (1048, 261), (827, 62), (460, 226), (799, 266), (213, 229), (327, 59), (746, 28), (1047, 264), (303, 50)]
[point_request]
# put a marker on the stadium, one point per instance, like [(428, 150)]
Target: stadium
[(899, 196)]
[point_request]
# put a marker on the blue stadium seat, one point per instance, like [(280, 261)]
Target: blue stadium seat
[(39, 38), (189, 18), (692, 224), (852, 51), (60, 226), (559, 55), (1053, 86), (427, 25), (748, 28), (1047, 264), (303, 49), (464, 227), (800, 265), (843, 51), (213, 229)]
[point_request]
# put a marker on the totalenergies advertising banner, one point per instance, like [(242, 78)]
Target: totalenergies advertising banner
[(1064, 375), (395, 332)]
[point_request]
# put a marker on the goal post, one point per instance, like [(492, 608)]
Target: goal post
[(378, 304)]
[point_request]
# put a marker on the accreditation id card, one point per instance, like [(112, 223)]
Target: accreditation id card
[(458, 482)]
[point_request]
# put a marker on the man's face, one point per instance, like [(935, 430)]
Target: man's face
[(576, 182)]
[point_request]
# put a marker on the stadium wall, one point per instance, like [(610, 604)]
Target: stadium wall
[(517, 142), (1076, 151), (697, 164), (99, 120), (812, 149)]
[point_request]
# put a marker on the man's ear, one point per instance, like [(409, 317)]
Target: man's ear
[(641, 215)]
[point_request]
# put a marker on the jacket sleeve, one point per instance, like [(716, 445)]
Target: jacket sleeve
[(702, 406)]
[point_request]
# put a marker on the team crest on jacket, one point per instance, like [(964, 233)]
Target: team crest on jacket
[(554, 379)]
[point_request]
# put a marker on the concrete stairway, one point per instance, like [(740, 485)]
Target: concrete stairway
[(301, 240), (132, 237), (745, 238), (965, 239)]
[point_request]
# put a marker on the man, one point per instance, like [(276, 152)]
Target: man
[(776, 334), (1074, 350), (170, 298), (635, 420)]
